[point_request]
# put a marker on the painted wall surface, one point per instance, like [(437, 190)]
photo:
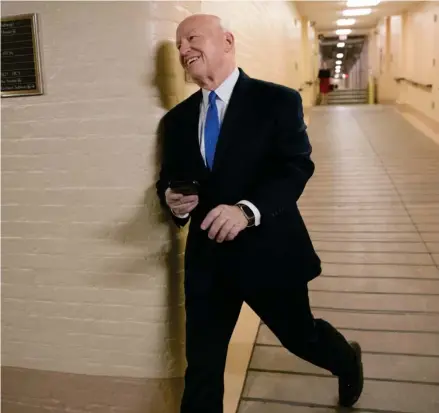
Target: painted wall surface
[(91, 269), (407, 46)]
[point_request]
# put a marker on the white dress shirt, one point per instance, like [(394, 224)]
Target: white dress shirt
[(224, 93)]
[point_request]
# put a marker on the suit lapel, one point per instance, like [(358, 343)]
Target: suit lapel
[(233, 119)]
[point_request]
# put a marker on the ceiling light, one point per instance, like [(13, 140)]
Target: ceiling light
[(362, 3), (341, 44), (356, 12), (338, 62), (339, 55), (337, 76), (343, 31), (344, 37), (345, 22), (337, 70)]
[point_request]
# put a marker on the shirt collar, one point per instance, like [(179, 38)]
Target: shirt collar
[(223, 91)]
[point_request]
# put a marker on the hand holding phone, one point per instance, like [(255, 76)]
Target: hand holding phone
[(184, 187), (182, 196)]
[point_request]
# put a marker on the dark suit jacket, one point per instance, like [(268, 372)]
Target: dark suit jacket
[(263, 156)]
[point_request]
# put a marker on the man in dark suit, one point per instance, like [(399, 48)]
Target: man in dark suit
[(244, 142)]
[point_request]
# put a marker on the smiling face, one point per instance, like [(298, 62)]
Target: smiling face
[(206, 50)]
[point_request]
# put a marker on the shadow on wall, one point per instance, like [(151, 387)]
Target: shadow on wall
[(164, 395), (169, 80)]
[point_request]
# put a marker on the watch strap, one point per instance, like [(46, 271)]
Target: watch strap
[(248, 213)]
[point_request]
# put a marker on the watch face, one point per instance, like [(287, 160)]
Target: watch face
[(248, 213), (246, 210)]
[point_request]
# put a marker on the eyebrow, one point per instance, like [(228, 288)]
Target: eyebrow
[(193, 31)]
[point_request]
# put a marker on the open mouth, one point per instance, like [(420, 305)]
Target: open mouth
[(192, 60)]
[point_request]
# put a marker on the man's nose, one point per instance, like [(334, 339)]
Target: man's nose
[(184, 50)]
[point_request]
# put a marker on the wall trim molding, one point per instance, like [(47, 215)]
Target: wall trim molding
[(34, 391), (419, 120)]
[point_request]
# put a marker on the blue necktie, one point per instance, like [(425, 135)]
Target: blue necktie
[(211, 129)]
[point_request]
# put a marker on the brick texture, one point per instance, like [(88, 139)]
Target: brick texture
[(86, 250), (90, 269)]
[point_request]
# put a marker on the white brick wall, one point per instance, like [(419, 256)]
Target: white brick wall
[(85, 280)]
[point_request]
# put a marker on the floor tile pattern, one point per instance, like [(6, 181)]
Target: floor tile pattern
[(372, 209)]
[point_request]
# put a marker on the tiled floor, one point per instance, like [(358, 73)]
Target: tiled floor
[(372, 209)]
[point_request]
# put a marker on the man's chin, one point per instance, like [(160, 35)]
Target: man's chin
[(195, 75)]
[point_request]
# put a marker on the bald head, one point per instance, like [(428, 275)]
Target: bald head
[(200, 19), (207, 49)]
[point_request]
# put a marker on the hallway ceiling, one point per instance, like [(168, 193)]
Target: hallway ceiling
[(326, 13), (351, 51)]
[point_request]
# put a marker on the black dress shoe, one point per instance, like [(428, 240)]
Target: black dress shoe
[(350, 388)]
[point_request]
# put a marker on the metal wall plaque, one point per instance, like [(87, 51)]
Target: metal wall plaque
[(20, 56)]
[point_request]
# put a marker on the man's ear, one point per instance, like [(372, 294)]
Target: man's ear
[(229, 41)]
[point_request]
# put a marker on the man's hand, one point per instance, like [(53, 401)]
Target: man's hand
[(180, 204), (225, 222)]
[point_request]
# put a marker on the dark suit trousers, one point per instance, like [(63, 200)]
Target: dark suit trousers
[(210, 321)]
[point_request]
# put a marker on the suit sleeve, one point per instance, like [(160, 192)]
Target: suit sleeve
[(291, 165), (167, 167)]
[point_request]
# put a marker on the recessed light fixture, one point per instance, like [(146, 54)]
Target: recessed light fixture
[(343, 31), (356, 12), (337, 76), (345, 22), (362, 3), (338, 62), (341, 44), (339, 55)]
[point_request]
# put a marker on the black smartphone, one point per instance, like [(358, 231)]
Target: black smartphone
[(185, 187)]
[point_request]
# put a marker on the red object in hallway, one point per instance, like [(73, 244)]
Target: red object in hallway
[(324, 76), (324, 85)]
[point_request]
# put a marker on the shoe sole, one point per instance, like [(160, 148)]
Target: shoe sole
[(358, 353)]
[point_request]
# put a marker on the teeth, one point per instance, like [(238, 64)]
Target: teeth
[(192, 60)]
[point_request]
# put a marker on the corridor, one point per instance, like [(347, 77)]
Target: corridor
[(93, 266), (372, 209)]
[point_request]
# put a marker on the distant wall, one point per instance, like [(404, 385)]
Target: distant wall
[(407, 46)]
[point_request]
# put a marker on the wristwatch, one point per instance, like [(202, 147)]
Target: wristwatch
[(248, 213)]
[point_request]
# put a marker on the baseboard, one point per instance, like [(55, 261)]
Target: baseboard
[(429, 122), (386, 101), (38, 391), (419, 120)]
